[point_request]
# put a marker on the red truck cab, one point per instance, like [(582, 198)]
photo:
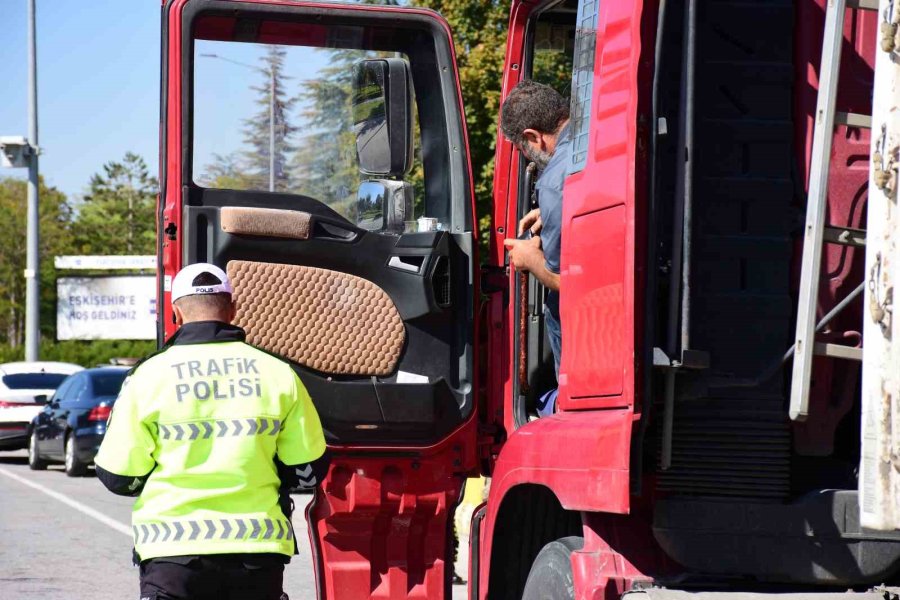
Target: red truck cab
[(671, 459)]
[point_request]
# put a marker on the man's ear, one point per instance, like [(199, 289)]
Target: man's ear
[(532, 136), (179, 315)]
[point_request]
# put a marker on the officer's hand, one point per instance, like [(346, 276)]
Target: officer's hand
[(531, 221), (525, 255)]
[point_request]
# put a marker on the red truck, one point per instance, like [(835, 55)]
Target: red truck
[(680, 461)]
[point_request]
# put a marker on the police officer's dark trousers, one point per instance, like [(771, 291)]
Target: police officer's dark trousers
[(213, 577)]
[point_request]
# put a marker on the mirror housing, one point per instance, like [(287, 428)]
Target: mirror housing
[(42, 399), (384, 205), (382, 116)]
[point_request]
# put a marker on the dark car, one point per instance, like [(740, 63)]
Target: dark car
[(72, 425)]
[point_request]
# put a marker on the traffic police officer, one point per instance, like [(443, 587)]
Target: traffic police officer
[(208, 433)]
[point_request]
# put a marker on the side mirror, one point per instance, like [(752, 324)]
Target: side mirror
[(41, 399), (382, 116), (384, 205)]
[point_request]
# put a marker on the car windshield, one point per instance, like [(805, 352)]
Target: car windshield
[(33, 381), (108, 384)]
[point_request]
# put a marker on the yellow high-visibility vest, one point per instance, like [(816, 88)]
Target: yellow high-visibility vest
[(208, 420)]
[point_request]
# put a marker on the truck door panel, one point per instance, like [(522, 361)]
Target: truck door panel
[(402, 435), (600, 231)]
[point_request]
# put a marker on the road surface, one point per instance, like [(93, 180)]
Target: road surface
[(65, 538)]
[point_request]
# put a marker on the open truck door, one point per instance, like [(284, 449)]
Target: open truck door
[(318, 153)]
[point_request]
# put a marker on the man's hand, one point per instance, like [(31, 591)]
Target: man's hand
[(531, 221), (525, 255)]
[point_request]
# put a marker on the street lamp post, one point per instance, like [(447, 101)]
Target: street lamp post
[(271, 75), (271, 129), (32, 292)]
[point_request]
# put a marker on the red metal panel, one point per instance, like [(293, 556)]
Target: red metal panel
[(381, 527), (594, 343), (598, 261), (581, 456), (618, 552), (170, 170)]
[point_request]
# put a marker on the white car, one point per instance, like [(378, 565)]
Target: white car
[(24, 388)]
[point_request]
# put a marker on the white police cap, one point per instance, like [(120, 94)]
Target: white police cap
[(183, 284)]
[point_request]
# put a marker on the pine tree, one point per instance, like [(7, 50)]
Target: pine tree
[(117, 215), (257, 128), (325, 165)]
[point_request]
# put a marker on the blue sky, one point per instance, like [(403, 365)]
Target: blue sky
[(98, 86), (223, 98)]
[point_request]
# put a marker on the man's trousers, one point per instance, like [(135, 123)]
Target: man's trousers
[(213, 577)]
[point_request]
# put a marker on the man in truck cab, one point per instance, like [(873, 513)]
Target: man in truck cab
[(205, 433), (535, 118)]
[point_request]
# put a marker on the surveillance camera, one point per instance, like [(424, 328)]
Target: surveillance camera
[(14, 151)]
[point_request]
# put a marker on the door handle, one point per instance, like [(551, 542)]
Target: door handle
[(410, 264), (331, 230)]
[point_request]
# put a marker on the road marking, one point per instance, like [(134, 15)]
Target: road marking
[(82, 508)]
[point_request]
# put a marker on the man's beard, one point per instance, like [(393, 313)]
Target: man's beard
[(538, 157)]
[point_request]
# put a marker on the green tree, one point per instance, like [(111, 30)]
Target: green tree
[(227, 171), (117, 215), (55, 216), (257, 133), (479, 32), (324, 166), (248, 169)]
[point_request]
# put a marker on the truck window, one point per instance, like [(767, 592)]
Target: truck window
[(554, 43), (310, 122), (583, 80)]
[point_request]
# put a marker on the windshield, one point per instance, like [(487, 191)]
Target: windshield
[(33, 381), (288, 124), (107, 384)]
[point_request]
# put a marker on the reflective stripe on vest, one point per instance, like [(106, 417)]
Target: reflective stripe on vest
[(213, 529), (202, 430)]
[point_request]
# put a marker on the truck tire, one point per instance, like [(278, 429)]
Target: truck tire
[(551, 572)]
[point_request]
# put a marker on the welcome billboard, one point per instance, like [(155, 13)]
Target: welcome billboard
[(106, 308)]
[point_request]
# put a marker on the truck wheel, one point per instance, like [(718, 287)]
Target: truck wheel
[(551, 572), (74, 467), (35, 463)]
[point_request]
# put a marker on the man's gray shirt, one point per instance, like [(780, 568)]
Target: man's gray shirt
[(549, 188)]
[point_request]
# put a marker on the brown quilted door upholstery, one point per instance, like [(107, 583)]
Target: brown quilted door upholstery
[(325, 320)]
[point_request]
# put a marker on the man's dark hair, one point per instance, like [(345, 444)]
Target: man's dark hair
[(532, 105)]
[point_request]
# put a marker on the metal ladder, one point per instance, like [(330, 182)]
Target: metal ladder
[(816, 231)]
